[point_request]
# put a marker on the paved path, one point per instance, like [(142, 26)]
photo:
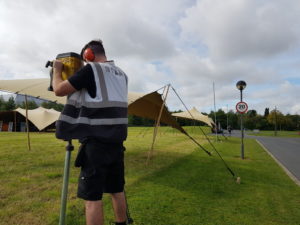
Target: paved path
[(286, 152)]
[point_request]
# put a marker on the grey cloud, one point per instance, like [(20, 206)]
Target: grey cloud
[(247, 28), (187, 43), (34, 33)]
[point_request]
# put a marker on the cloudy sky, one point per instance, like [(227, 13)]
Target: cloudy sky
[(190, 44)]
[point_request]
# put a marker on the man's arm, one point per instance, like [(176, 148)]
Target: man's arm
[(60, 87)]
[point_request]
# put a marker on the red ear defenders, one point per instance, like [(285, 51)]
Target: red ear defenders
[(88, 55)]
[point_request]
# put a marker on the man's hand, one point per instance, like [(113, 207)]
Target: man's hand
[(58, 66), (60, 87), (57, 70)]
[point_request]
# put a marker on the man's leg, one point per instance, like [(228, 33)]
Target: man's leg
[(94, 212), (119, 205)]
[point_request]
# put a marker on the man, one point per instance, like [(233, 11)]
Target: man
[(96, 114), (229, 130)]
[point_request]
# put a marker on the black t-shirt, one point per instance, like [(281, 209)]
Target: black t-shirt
[(84, 78)]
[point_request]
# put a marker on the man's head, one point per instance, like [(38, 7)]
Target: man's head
[(92, 50)]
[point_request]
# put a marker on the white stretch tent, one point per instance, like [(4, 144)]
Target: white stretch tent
[(194, 114), (40, 117), (151, 105)]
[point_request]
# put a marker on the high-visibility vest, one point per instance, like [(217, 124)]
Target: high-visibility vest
[(103, 117)]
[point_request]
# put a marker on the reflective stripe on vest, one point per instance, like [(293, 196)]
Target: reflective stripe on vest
[(85, 120)]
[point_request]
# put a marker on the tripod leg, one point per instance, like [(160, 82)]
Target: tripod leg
[(129, 219), (64, 193)]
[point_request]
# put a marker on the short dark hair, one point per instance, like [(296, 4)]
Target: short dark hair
[(96, 46)]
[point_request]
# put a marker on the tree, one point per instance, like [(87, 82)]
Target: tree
[(276, 118), (256, 122), (30, 104), (293, 122), (252, 113), (250, 119), (267, 112), (262, 123), (221, 117), (135, 120), (2, 104), (10, 104), (288, 124), (248, 122), (53, 105)]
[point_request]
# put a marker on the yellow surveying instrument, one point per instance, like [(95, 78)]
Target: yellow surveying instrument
[(72, 63)]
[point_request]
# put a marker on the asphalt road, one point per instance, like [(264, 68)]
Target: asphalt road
[(284, 150)]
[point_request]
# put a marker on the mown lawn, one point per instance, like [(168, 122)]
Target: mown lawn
[(181, 185)]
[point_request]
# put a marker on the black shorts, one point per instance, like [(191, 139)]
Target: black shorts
[(102, 169)]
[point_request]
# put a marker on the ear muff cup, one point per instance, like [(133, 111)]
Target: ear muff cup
[(89, 55)]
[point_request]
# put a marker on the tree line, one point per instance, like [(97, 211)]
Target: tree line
[(10, 104), (251, 119)]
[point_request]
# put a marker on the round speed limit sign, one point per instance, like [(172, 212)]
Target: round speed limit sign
[(241, 107)]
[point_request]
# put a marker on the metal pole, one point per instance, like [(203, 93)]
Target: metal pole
[(275, 121), (242, 130), (64, 193), (227, 117), (216, 125)]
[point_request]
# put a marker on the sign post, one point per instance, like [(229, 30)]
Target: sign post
[(242, 108)]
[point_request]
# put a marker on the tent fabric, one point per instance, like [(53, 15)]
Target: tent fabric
[(149, 106), (34, 87), (143, 105), (194, 114), (40, 117)]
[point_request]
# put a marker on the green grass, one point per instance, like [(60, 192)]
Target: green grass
[(181, 185), (294, 134)]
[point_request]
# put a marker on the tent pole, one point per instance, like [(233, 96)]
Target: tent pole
[(27, 125), (194, 125), (15, 120), (150, 153)]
